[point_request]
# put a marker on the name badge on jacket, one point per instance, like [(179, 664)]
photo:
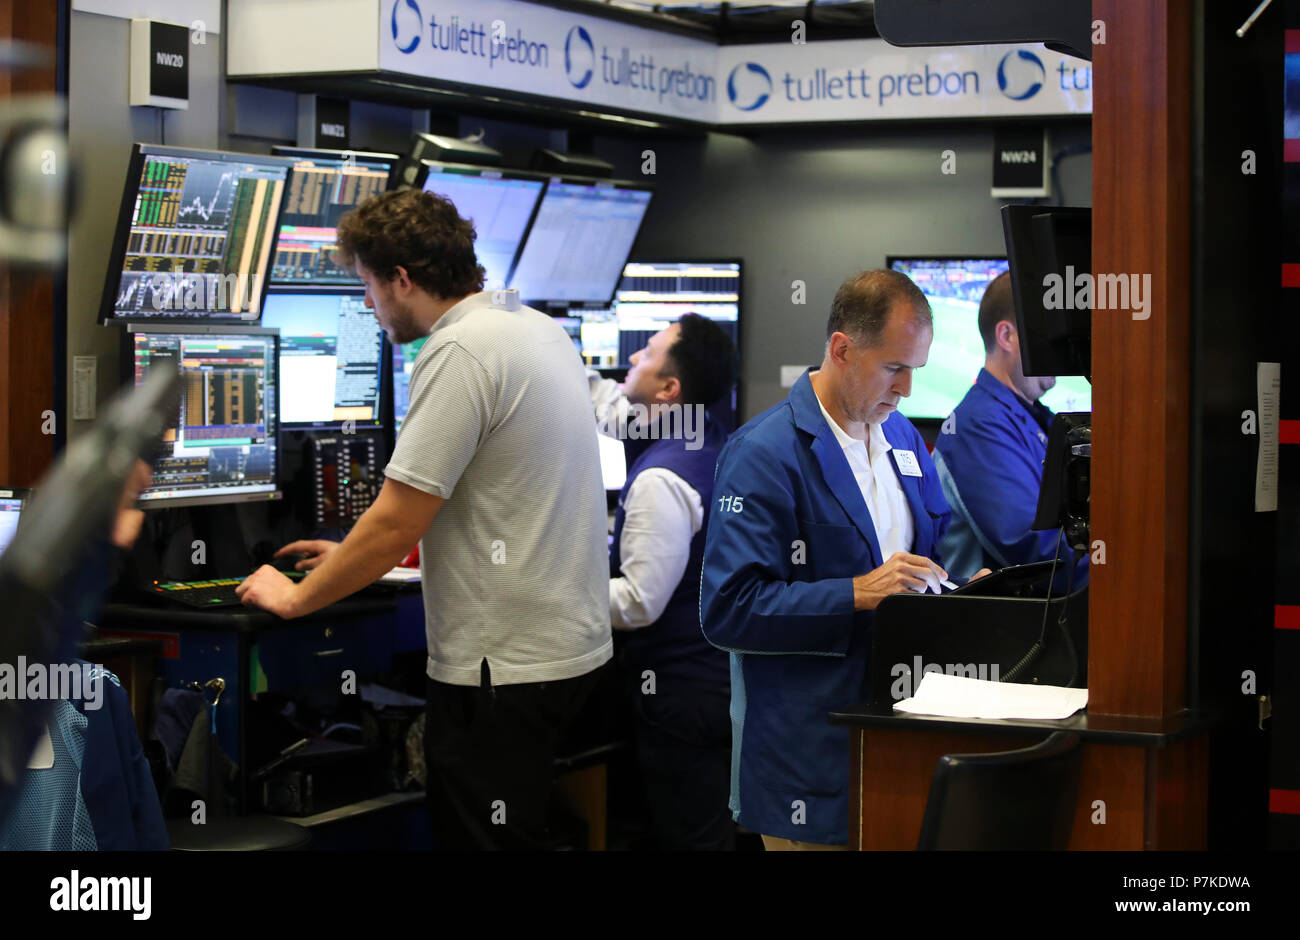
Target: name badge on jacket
[(907, 463)]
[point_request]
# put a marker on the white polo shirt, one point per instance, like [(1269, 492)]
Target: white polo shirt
[(874, 471), (515, 565)]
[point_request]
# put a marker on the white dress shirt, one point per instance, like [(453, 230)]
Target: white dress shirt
[(881, 489), (661, 514)]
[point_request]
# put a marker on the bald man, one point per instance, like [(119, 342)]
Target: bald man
[(823, 506)]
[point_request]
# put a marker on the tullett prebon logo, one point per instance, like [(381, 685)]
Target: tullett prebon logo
[(749, 86), (407, 24), (1020, 74), (579, 57)]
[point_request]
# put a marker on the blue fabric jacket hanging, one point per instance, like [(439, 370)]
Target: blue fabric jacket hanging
[(99, 793), (989, 456), (788, 532)]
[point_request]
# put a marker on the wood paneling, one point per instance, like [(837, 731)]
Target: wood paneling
[(1137, 644), (1130, 798), (891, 781), (27, 352), (1178, 796)]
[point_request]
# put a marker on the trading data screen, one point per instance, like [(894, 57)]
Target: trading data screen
[(572, 326), (498, 204), (221, 447), (10, 507), (403, 363), (954, 287), (330, 358), (653, 296), (199, 236), (320, 191), (579, 242)]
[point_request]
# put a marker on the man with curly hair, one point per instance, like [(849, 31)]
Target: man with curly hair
[(497, 474)]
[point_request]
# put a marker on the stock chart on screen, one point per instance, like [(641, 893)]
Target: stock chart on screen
[(320, 191), (195, 234), (221, 444)]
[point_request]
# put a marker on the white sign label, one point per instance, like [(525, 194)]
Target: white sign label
[(43, 756), (790, 375), (1268, 381), (868, 79), (537, 50), (907, 464), (516, 46), (84, 387)]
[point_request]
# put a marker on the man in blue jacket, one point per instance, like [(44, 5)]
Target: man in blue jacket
[(990, 452), (822, 506)]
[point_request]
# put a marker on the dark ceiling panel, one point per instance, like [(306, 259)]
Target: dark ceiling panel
[(1064, 25)]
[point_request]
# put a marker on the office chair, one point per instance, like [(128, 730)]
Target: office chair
[(219, 832), (1013, 800)]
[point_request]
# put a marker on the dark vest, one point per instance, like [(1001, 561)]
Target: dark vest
[(674, 645)]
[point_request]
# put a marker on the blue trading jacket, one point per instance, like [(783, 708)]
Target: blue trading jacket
[(785, 612), (990, 461)]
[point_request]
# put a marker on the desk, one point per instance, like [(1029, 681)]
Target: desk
[(1140, 768), (210, 643)]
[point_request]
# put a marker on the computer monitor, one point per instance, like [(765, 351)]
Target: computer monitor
[(332, 353), (194, 236), (954, 285), (403, 363), (613, 462), (12, 502), (573, 327), (1042, 242), (324, 185), (499, 203), (579, 241), (598, 335), (221, 446), (653, 295)]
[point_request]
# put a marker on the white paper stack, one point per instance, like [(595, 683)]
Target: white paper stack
[(959, 697), (400, 576)]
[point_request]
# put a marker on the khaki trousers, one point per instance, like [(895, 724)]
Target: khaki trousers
[(776, 844)]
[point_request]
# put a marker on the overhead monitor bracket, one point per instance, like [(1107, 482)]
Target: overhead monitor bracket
[(1062, 25)]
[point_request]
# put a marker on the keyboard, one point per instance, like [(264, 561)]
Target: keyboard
[(207, 595)]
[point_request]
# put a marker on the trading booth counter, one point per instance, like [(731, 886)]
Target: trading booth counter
[(360, 633), (893, 755)]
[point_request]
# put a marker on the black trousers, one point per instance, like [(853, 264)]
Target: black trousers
[(490, 753), (683, 745)]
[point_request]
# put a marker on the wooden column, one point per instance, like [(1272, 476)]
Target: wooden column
[(26, 297), (1137, 640)]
